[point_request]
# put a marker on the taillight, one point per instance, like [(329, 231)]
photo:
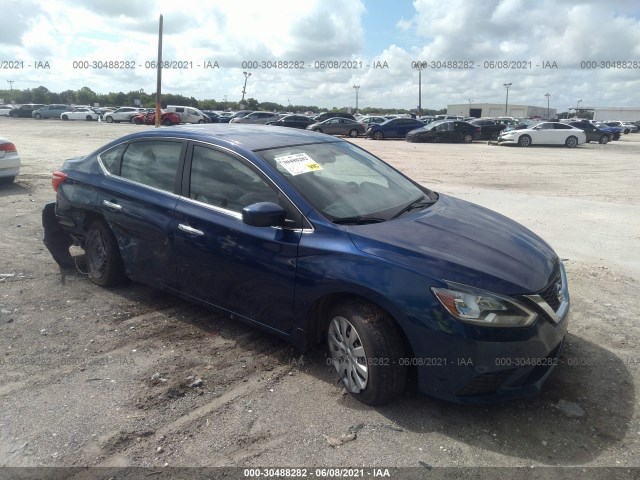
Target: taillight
[(7, 147), (57, 179)]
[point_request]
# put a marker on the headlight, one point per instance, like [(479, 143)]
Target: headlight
[(480, 307)]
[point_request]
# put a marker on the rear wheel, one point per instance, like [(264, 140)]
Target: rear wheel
[(467, 138), (137, 121), (353, 133), (524, 141), (604, 139), (378, 135), (167, 122), (200, 121), (103, 256), (88, 118), (571, 141), (65, 117), (109, 119), (366, 350), (37, 116)]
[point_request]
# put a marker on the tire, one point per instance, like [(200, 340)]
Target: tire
[(377, 135), (7, 179), (604, 139), (627, 131), (88, 118), (109, 119), (359, 332), (167, 122), (495, 135), (104, 263), (571, 141), (200, 121), (524, 141), (137, 121), (65, 117), (37, 116), (353, 133), (467, 138)]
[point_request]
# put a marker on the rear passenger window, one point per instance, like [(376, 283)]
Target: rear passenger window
[(224, 181), (111, 159), (152, 163)]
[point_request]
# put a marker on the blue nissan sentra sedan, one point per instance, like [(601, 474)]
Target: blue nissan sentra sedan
[(317, 241)]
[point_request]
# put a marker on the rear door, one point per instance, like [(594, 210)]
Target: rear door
[(138, 199), (249, 271)]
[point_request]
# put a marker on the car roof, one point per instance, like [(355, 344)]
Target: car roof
[(250, 137)]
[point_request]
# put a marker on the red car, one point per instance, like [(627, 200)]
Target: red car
[(166, 118)]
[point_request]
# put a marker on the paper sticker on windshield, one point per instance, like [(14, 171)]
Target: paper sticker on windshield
[(298, 163)]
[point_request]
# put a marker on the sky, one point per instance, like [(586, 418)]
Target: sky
[(572, 50)]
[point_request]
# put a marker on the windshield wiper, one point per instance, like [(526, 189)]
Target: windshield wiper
[(418, 202), (358, 220)]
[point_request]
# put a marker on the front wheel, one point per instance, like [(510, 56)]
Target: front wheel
[(109, 119), (571, 142), (353, 133), (378, 135), (37, 116), (103, 256), (200, 121), (604, 139), (65, 117), (524, 141), (167, 122), (467, 138), (366, 350), (138, 121)]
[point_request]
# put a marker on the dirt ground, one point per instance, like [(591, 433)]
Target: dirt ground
[(133, 377)]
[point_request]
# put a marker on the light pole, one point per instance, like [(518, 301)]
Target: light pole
[(506, 102), (419, 67), (244, 89), (548, 96), (10, 82), (357, 87), (470, 100), (577, 107)]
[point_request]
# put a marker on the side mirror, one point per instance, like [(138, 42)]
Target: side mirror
[(264, 214)]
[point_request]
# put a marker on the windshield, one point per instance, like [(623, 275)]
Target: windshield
[(343, 181)]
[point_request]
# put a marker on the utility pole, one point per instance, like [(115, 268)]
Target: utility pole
[(357, 87), (547, 95), (10, 82), (244, 89), (506, 102)]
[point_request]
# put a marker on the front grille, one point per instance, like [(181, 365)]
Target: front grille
[(550, 294), (486, 383)]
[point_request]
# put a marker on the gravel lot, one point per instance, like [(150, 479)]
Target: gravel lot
[(90, 376)]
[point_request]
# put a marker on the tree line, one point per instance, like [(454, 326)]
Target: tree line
[(86, 96)]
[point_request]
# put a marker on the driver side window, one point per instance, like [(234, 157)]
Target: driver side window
[(223, 181)]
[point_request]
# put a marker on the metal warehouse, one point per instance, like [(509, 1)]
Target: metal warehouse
[(498, 110)]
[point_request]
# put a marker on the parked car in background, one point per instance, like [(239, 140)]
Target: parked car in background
[(489, 129), (338, 126), (445, 131), (383, 271), (293, 121), (80, 113), (188, 114), (9, 161), (240, 114), (24, 110), (224, 117), (616, 132), (623, 126), (213, 116), (327, 115), (257, 118), (122, 114), (544, 133), (49, 111), (5, 110), (166, 118), (370, 120), (593, 132), (393, 128)]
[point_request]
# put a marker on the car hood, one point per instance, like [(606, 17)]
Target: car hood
[(462, 242)]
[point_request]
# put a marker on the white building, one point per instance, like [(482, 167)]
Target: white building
[(624, 114), (497, 110)]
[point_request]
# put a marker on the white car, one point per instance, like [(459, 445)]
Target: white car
[(123, 114), (4, 110), (9, 161), (80, 113), (257, 118), (544, 133)]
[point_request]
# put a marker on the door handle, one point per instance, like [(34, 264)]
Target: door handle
[(189, 230), (111, 205)]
